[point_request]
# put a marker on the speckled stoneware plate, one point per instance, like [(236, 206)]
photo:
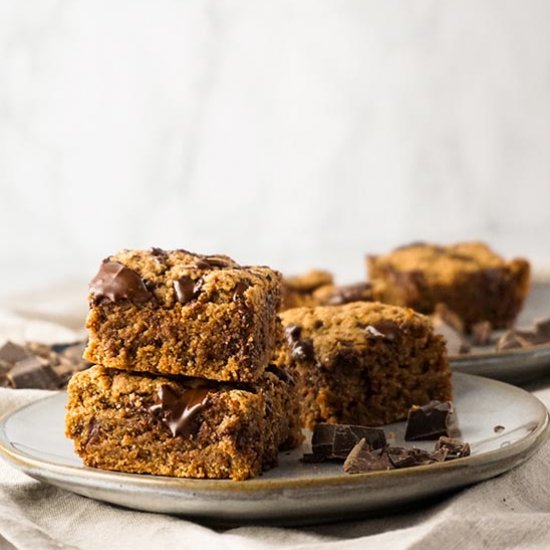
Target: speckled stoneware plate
[(32, 440), (519, 365)]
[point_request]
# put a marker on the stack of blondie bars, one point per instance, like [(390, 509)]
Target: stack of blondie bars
[(182, 383)]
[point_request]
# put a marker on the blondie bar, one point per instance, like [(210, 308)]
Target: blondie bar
[(363, 363), (175, 312), (182, 427), (469, 278)]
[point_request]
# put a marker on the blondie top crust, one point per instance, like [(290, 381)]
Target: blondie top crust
[(469, 278), (174, 312), (139, 423), (363, 363)]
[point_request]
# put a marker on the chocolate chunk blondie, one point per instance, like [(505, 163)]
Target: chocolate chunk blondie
[(469, 278), (363, 363), (175, 312), (179, 426)]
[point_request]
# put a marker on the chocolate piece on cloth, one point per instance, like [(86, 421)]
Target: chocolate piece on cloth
[(35, 373), (431, 421), (456, 448), (335, 441), (362, 459), (11, 353)]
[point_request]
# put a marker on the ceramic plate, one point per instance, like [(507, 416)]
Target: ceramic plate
[(32, 440), (514, 366)]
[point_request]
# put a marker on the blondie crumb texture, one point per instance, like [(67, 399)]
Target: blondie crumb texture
[(175, 312), (363, 363), (469, 278), (154, 425)]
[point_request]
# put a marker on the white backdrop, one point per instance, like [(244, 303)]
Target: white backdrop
[(294, 133)]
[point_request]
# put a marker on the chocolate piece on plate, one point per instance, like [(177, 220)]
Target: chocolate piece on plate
[(335, 441), (431, 421), (481, 333), (542, 328), (35, 373), (401, 457), (449, 317), (447, 324), (362, 459), (517, 339), (456, 448)]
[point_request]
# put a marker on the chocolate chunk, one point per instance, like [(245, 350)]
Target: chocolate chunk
[(497, 429), (515, 339), (431, 421), (401, 457), (11, 353), (155, 251), (186, 289), (542, 328), (340, 295), (210, 263), (93, 431), (455, 448), (453, 339), (35, 373), (449, 317), (240, 289), (117, 282), (383, 330), (293, 333), (303, 350), (481, 333), (362, 459), (280, 373), (335, 441), (178, 409)]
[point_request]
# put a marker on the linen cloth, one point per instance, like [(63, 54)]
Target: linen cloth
[(511, 511)]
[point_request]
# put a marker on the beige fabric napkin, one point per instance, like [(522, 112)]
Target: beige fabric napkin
[(511, 511)]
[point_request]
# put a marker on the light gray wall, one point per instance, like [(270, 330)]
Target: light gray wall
[(293, 133)]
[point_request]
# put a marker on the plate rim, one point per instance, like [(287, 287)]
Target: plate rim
[(502, 354), (27, 463)]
